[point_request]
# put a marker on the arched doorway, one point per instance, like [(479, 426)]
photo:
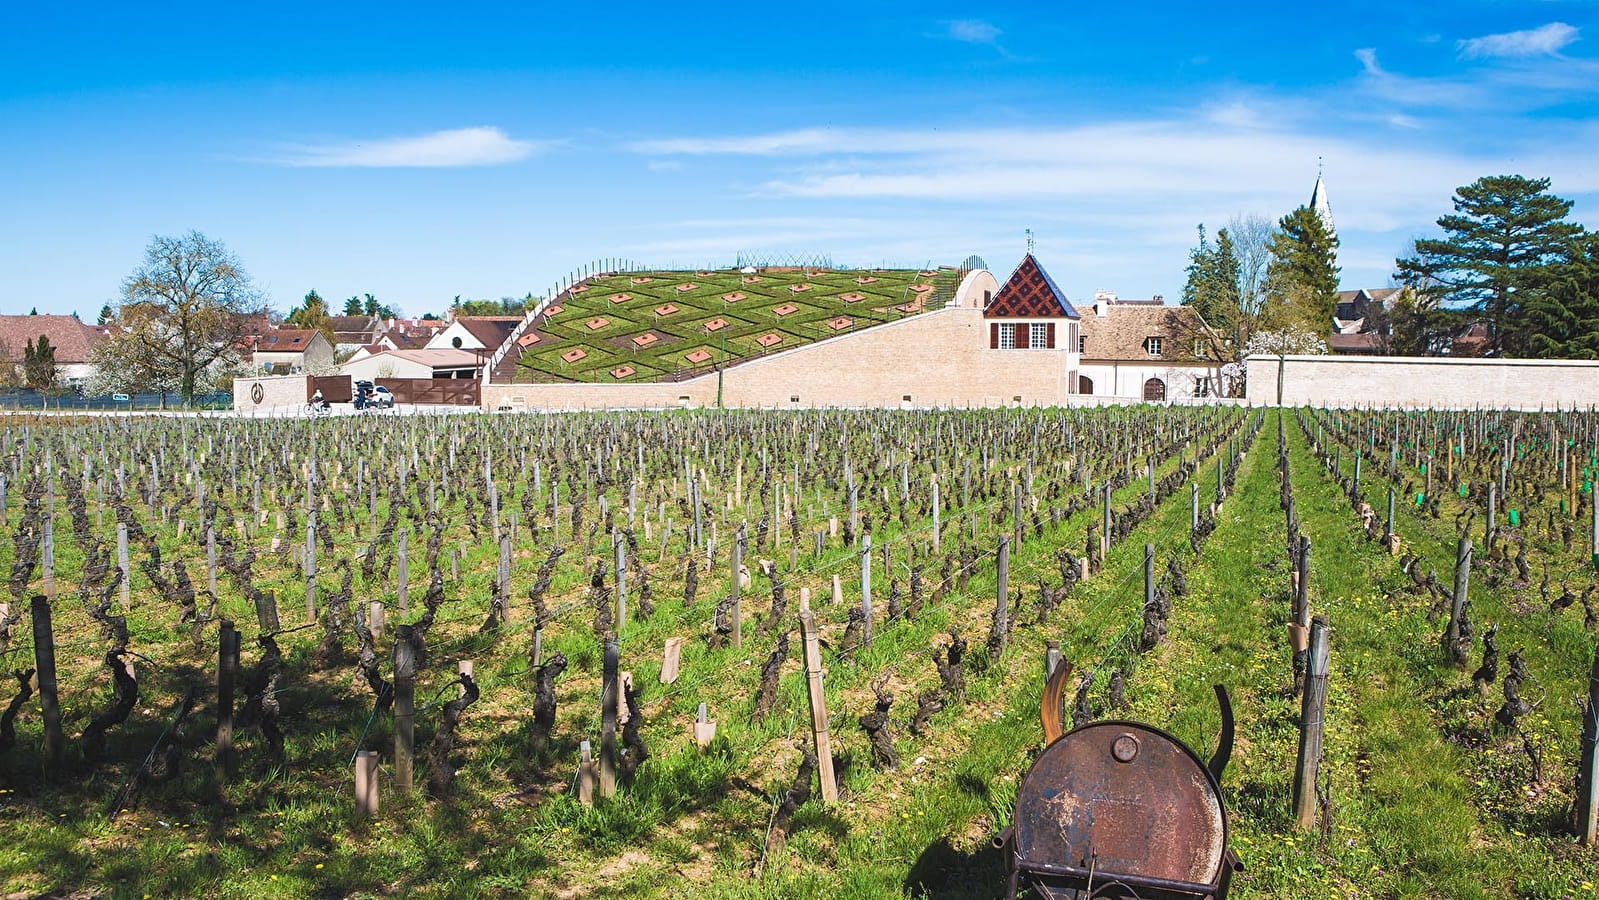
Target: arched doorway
[(1155, 390), (1085, 385)]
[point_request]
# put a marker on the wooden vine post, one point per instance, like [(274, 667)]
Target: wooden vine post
[(227, 673), (404, 708), (44, 659), (818, 702), (1588, 771), (1311, 720), (608, 699), (738, 575), (1455, 648), (866, 587)]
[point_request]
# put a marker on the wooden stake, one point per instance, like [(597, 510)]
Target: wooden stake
[(866, 587), (44, 659), (366, 784), (404, 708), (1311, 727), (1588, 770), (738, 575), (818, 700), (608, 699), (227, 672)]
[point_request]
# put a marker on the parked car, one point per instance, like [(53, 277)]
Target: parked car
[(381, 398), (372, 396)]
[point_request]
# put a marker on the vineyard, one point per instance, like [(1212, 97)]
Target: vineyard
[(595, 655)]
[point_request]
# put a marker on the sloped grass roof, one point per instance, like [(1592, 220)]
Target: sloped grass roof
[(701, 320)]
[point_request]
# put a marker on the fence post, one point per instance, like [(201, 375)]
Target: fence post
[(1310, 726), (818, 701), (936, 534), (44, 659), (404, 707)]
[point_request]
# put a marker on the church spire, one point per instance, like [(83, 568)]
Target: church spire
[(1318, 202)]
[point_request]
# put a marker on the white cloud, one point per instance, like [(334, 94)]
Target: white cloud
[(808, 140), (485, 146), (974, 31), (1545, 40)]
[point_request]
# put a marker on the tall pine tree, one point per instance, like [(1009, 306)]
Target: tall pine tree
[(1560, 317), (1213, 290), (1303, 273), (1506, 230)]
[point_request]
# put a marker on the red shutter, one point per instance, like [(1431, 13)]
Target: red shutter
[(1049, 335), (993, 335), (1022, 331)]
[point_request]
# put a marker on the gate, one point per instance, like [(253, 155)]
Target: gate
[(1155, 390), (435, 391), (334, 388)]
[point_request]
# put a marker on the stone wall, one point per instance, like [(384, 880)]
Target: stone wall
[(936, 359), (1414, 382)]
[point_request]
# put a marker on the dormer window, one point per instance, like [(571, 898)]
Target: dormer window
[(1152, 344)]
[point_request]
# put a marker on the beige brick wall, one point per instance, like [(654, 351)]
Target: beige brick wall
[(938, 358), (279, 394), (1424, 382)]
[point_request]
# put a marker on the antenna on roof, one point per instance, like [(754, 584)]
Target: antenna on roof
[(1029, 242)]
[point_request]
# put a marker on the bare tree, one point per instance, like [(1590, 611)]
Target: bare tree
[(182, 316)]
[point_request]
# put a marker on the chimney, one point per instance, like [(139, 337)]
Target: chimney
[(1102, 302)]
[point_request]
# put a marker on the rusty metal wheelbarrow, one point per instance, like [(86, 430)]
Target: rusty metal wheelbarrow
[(1120, 809)]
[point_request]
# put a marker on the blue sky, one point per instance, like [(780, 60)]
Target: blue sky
[(484, 150)]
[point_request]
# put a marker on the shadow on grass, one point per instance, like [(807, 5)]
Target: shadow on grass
[(942, 872)]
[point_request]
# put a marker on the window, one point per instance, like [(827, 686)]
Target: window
[(1082, 343), (1201, 349), (1152, 344), (1007, 337), (793, 398), (1038, 339)]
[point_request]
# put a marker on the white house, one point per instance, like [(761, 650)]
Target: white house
[(475, 333), (438, 363), (291, 351), (1146, 350)]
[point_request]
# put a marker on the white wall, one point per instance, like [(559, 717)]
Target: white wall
[(1127, 379), (1416, 382)]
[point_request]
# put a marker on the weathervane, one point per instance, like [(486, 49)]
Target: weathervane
[(1029, 242)]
